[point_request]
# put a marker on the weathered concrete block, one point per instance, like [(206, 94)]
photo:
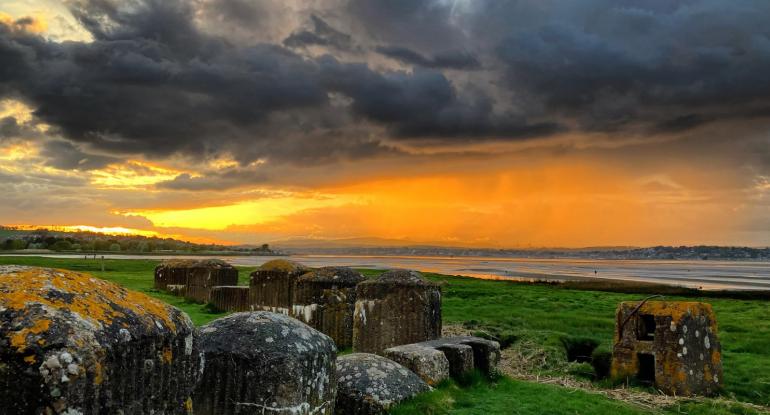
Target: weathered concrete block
[(272, 285), (368, 384), (672, 345), (176, 289), (325, 299), (203, 275), (486, 353), (461, 353), (430, 364), (399, 307), (198, 276), (460, 358), (71, 343), (230, 298), (265, 363), (166, 274)]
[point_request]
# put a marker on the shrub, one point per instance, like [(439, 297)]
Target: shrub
[(601, 360), (579, 349)]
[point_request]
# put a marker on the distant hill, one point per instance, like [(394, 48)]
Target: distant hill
[(36, 240)]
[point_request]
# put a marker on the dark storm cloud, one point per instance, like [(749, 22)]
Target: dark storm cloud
[(425, 25), (152, 83), (64, 155), (156, 81), (9, 128), (644, 64), (228, 179), (452, 59), (606, 65), (424, 104), (321, 34)]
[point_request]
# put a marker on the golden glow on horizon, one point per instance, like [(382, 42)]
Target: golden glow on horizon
[(257, 211), (107, 230), (563, 204)]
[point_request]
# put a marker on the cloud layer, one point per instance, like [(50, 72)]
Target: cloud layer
[(156, 80), (285, 92)]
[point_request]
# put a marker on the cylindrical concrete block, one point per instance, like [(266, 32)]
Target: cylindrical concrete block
[(230, 298), (72, 343), (399, 307), (265, 363), (325, 298), (166, 274), (272, 285), (198, 276)]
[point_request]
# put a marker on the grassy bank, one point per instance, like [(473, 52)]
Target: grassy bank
[(533, 320)]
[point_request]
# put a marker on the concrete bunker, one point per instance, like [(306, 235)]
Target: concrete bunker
[(197, 276), (671, 345), (272, 285), (261, 362), (72, 343), (325, 298), (399, 307)]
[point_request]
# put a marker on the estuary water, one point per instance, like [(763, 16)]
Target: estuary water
[(710, 275)]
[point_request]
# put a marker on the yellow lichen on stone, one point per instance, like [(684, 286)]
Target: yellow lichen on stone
[(193, 263), (19, 338), (98, 373), (675, 309), (167, 355), (92, 299), (281, 265)]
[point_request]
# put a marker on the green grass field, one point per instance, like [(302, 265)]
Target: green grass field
[(538, 318)]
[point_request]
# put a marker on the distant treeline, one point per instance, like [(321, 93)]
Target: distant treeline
[(12, 239)]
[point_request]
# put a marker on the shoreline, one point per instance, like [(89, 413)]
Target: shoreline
[(704, 276)]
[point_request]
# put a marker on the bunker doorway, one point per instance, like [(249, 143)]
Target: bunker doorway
[(646, 373)]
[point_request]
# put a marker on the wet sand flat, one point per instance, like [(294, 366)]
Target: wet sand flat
[(742, 275)]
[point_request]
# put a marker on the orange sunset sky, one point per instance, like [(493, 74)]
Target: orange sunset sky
[(450, 122)]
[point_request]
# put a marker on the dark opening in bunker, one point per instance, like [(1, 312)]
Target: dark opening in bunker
[(646, 373), (646, 327)]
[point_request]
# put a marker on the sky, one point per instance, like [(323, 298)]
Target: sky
[(482, 123)]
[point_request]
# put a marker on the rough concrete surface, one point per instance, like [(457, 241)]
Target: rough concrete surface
[(198, 276), (230, 298), (272, 285), (430, 364), (265, 363), (325, 299), (71, 343), (369, 384), (399, 307)]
